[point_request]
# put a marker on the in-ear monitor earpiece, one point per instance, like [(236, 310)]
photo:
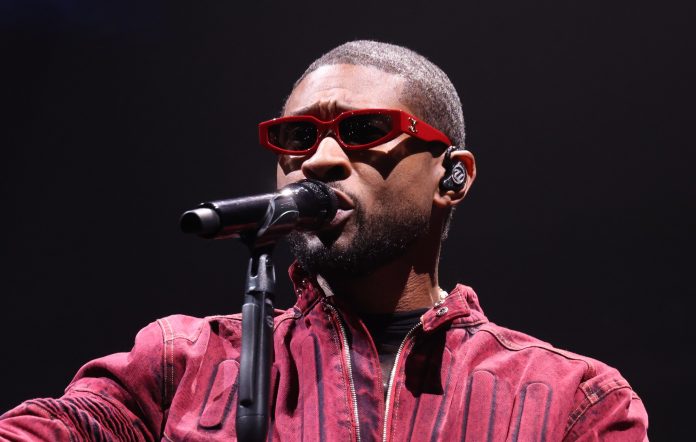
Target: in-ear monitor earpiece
[(455, 172)]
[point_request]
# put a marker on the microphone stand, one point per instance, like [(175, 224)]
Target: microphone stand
[(253, 410), (257, 345)]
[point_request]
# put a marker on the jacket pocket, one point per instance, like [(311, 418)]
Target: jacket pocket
[(220, 398)]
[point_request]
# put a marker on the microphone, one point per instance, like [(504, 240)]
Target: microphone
[(305, 205)]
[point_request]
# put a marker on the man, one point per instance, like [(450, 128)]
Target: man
[(374, 348)]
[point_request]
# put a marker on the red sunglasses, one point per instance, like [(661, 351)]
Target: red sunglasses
[(353, 130)]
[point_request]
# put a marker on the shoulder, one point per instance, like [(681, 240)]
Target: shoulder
[(599, 397), (163, 350), (596, 379), (522, 345), (190, 328), (183, 332)]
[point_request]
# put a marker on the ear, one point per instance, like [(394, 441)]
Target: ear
[(453, 197)]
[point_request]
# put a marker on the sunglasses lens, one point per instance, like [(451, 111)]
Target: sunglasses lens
[(359, 130), (297, 135)]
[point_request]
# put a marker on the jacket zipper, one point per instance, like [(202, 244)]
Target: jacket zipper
[(391, 378), (346, 353)]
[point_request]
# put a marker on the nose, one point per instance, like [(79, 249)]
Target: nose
[(328, 163)]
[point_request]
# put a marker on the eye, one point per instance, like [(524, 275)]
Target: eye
[(364, 129), (297, 135)]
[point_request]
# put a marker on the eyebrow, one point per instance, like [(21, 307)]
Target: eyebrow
[(313, 109)]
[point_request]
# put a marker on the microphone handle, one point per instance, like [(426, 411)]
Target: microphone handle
[(226, 218), (237, 215)]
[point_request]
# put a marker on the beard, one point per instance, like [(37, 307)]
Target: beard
[(378, 239)]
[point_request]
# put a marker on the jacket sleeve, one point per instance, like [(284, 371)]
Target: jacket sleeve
[(118, 397), (607, 410)]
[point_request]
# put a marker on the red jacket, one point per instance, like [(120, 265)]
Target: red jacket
[(457, 377)]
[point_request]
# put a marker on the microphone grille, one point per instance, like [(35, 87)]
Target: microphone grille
[(321, 204)]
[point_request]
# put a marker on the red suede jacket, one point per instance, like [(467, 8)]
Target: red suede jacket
[(457, 377)]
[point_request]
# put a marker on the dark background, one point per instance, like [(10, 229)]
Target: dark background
[(578, 230)]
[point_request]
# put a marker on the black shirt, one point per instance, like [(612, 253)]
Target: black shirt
[(388, 330)]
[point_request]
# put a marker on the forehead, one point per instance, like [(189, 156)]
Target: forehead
[(335, 88)]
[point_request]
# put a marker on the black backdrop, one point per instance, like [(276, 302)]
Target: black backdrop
[(578, 229)]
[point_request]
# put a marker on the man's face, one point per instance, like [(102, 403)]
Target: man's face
[(385, 193)]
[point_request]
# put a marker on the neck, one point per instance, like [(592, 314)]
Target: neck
[(408, 283)]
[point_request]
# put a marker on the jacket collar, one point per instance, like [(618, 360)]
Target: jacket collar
[(459, 307)]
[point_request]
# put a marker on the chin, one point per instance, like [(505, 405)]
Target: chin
[(357, 245)]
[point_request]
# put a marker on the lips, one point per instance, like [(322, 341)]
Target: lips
[(345, 209), (344, 201), (340, 218)]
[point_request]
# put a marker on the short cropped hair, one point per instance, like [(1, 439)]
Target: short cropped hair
[(428, 92)]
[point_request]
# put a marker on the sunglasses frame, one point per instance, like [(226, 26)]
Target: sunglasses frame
[(404, 123)]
